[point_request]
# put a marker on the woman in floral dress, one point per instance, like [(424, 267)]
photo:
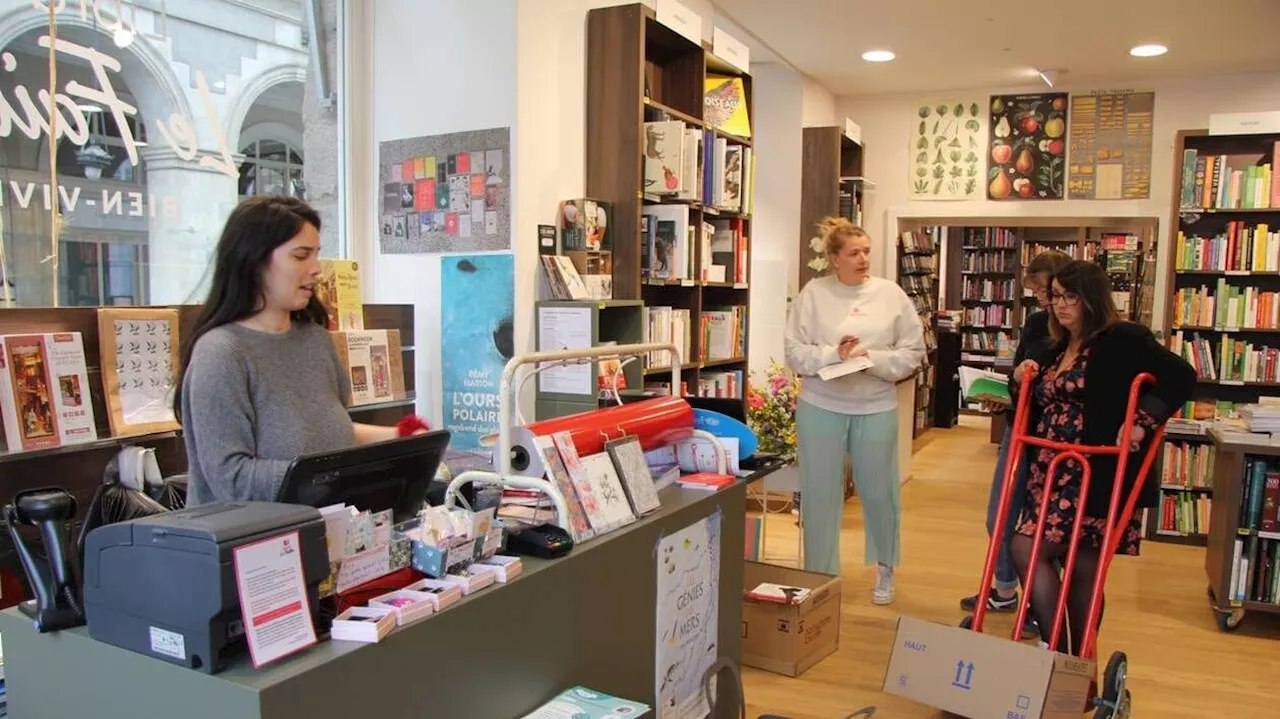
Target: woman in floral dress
[(1080, 389)]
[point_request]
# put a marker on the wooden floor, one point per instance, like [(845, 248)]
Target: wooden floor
[(1180, 664)]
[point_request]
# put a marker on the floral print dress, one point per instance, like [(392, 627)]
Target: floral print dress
[(1060, 398)]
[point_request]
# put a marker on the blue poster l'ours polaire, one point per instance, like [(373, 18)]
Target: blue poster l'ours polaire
[(477, 309)]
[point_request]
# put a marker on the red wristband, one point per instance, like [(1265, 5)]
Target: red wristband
[(410, 424)]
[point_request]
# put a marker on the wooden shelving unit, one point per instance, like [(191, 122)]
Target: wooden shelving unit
[(639, 71), (1212, 256), (831, 185), (1233, 522), (918, 276)]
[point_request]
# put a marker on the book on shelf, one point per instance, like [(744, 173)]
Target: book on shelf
[(725, 384), (725, 105), (1260, 495), (986, 237), (728, 251), (1229, 181), (667, 325), (1226, 306), (988, 316), (1230, 360), (338, 291), (723, 333), (44, 391), (1255, 576), (919, 243), (988, 290), (1241, 247), (1186, 464), (563, 280), (1183, 514), (374, 363), (670, 239), (990, 262)]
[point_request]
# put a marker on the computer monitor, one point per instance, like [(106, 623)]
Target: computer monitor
[(394, 475)]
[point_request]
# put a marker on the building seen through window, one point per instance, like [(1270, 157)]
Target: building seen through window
[(168, 115)]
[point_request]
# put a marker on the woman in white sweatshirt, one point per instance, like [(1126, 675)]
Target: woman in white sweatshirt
[(839, 317)]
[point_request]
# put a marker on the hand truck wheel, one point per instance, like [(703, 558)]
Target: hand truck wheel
[(1115, 700)]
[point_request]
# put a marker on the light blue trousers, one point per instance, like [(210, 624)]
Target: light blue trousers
[(871, 442)]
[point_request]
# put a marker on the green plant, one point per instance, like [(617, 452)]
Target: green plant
[(771, 410)]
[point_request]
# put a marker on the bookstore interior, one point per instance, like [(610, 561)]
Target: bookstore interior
[(554, 289)]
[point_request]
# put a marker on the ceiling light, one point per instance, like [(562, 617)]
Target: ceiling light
[(122, 36), (1148, 50), (878, 56), (89, 108), (1049, 77)]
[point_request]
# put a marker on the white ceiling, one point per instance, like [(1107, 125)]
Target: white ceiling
[(964, 44)]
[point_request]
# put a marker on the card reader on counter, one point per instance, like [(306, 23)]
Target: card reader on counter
[(165, 585)]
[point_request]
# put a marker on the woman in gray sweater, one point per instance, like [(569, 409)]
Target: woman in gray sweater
[(259, 382)]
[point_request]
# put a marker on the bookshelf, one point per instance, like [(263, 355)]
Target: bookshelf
[(557, 323), (1223, 311), (1243, 557), (918, 276), (682, 251), (831, 185)]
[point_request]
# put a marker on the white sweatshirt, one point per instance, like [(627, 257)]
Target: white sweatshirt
[(880, 314)]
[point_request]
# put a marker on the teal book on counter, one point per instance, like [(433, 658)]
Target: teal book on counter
[(583, 703)]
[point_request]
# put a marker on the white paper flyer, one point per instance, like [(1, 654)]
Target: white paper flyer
[(273, 598)]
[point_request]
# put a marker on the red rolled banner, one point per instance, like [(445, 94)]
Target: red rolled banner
[(656, 422)]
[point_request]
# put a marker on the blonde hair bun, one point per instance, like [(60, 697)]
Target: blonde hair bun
[(834, 231)]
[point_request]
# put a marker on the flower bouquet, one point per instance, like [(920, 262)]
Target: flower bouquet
[(771, 411)]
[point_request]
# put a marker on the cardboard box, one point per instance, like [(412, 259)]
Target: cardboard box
[(789, 639), (984, 676)]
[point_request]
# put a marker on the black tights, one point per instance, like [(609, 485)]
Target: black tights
[(1048, 586)]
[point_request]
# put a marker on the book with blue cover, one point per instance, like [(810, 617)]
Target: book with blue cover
[(583, 703)]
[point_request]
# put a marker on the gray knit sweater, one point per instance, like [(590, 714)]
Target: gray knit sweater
[(252, 402)]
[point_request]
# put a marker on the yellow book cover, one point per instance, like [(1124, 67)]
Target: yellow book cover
[(339, 291), (725, 105)]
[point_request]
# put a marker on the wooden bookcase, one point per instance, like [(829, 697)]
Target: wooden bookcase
[(1191, 217), (639, 70), (831, 185), (79, 468), (1229, 523), (918, 276)]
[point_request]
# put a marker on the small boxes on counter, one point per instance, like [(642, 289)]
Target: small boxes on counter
[(444, 540), (363, 624), (407, 605)]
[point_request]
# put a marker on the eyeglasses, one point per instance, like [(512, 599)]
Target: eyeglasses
[(1066, 299)]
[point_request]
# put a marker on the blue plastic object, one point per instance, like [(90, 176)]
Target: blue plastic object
[(722, 425)]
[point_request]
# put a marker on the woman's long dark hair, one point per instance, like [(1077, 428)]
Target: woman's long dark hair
[(1090, 283), (254, 230)]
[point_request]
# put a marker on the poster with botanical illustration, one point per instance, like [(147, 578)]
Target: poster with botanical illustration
[(688, 610), (446, 193), (946, 150), (1111, 146), (1027, 154), (139, 351)]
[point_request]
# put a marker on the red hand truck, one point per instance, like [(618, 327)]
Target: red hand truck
[(1113, 702)]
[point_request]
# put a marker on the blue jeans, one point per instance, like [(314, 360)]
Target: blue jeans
[(1006, 572)]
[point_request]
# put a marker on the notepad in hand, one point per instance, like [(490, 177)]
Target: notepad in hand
[(847, 367), (984, 385)]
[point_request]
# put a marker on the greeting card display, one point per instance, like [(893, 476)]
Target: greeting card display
[(139, 351)]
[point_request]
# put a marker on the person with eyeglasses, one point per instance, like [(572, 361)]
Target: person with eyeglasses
[(1080, 393), (1033, 340)]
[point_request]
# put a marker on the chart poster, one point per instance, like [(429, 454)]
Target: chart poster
[(476, 339), (1026, 159), (688, 617), (946, 149), (446, 193), (1111, 145)]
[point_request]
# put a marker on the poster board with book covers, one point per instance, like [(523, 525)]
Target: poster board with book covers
[(139, 353)]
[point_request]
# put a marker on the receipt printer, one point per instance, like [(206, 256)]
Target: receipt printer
[(165, 585)]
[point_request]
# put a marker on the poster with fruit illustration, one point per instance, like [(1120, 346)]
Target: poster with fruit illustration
[(1111, 146), (946, 150), (1026, 159)]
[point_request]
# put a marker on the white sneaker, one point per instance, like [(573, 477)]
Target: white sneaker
[(883, 593)]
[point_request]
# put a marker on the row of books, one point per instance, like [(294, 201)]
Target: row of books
[(1183, 513), (985, 341), (565, 283), (926, 240), (723, 333), (1187, 464), (668, 325), (674, 248), (1004, 262), (1233, 360), (1088, 252), (1255, 570), (988, 290), (919, 264), (989, 237), (1242, 181), (988, 316), (1239, 248), (1260, 498), (725, 385), (1226, 307), (686, 163), (916, 284)]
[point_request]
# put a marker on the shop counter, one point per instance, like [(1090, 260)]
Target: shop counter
[(587, 618)]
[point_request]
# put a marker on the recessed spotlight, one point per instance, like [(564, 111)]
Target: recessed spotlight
[(1148, 50), (878, 56)]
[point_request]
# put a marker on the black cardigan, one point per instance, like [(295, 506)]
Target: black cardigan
[(1032, 342), (1116, 356)]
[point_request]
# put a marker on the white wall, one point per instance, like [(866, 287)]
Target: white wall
[(1180, 105), (461, 79), (779, 99), (819, 106)]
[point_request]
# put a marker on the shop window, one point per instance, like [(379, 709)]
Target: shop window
[(206, 107)]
